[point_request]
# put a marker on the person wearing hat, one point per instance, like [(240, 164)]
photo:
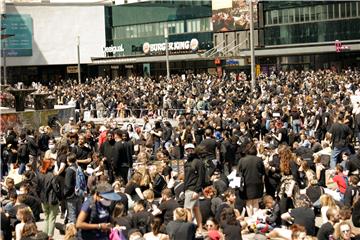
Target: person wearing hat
[(194, 181), (93, 221)]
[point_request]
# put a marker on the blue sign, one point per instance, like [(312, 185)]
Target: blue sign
[(18, 32), (232, 62)]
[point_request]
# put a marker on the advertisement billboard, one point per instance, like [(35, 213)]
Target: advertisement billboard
[(232, 15), (19, 29)]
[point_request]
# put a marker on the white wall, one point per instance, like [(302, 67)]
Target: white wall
[(55, 28)]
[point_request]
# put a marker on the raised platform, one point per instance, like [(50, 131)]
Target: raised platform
[(34, 118)]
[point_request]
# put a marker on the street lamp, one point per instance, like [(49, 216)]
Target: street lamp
[(252, 50), (78, 58), (166, 35)]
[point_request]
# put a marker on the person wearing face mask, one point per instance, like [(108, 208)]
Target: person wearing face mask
[(51, 153), (93, 221)]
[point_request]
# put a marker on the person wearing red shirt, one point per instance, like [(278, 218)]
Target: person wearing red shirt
[(340, 180)]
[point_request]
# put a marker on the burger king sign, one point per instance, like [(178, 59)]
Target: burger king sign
[(192, 45)]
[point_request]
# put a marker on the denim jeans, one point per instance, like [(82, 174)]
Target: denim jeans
[(296, 125), (335, 155), (73, 208), (22, 168)]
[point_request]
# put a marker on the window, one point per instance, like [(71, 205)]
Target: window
[(215, 40), (268, 18), (331, 11), (336, 11), (312, 13), (301, 13), (291, 15), (348, 9), (297, 15), (285, 16), (343, 10), (275, 16), (353, 9), (306, 14)]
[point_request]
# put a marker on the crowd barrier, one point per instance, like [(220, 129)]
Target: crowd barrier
[(140, 113)]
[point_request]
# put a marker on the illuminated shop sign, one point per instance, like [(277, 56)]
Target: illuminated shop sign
[(192, 45)]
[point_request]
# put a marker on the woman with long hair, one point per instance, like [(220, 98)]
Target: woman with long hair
[(326, 202), (26, 227), (230, 225), (133, 187), (120, 218), (289, 188), (343, 232), (155, 231)]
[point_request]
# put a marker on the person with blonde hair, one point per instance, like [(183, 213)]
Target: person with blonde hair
[(343, 232), (133, 187), (182, 227), (26, 226), (326, 202)]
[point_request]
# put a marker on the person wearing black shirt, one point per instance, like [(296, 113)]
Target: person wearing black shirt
[(141, 218), (194, 181), (327, 229), (73, 202), (32, 148), (352, 191), (107, 151), (123, 151), (182, 227), (167, 205), (340, 135), (120, 218), (210, 145), (83, 152), (228, 150), (127, 159), (230, 225), (302, 215)]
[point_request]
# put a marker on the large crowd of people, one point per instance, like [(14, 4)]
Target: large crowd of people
[(276, 162)]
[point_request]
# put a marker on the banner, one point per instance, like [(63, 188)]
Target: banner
[(19, 28), (232, 15)]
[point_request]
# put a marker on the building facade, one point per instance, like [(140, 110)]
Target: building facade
[(127, 37), (132, 28), (311, 35)]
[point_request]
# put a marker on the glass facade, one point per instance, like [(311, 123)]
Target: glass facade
[(313, 22), (313, 32), (323, 12), (157, 29)]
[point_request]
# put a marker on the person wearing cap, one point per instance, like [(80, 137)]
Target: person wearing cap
[(194, 181), (93, 221)]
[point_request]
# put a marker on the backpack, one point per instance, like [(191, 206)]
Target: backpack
[(54, 191), (80, 186)]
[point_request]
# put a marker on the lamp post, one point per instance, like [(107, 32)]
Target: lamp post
[(166, 35), (78, 58), (4, 59), (252, 50)]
